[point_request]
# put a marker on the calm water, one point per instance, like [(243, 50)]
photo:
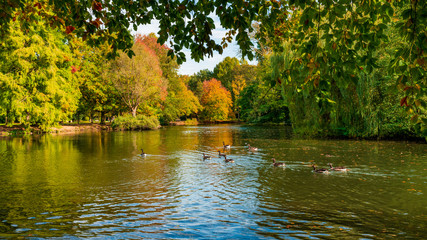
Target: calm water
[(96, 185)]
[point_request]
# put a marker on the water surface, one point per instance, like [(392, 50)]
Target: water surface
[(96, 185)]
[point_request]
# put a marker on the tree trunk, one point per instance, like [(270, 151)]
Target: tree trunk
[(134, 111), (7, 115), (102, 117)]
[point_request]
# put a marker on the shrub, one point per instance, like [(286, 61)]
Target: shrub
[(141, 122)]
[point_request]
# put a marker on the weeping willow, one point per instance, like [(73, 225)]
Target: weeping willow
[(324, 105)]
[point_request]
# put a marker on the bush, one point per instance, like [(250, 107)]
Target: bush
[(139, 122)]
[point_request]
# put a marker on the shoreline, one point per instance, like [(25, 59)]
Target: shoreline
[(62, 129), (18, 130)]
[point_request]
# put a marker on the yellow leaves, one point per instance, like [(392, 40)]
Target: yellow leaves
[(216, 100), (312, 64)]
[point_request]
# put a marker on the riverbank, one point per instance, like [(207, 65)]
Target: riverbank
[(96, 127), (62, 129)]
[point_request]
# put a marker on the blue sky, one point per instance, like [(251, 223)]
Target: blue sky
[(190, 66)]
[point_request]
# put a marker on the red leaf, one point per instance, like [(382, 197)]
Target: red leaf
[(39, 5), (69, 29), (97, 6), (404, 102), (96, 23), (74, 69), (406, 88)]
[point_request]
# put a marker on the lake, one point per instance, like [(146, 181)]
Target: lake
[(97, 185)]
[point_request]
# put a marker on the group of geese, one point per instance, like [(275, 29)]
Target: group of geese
[(275, 164)]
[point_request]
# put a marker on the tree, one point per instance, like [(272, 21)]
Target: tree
[(168, 64), (328, 65), (37, 81), (180, 101), (98, 95), (224, 71), (237, 86), (195, 84), (260, 101), (139, 79), (216, 101), (234, 76)]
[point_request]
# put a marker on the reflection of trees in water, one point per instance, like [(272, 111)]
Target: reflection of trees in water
[(41, 182), (83, 183)]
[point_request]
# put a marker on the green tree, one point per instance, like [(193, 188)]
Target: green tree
[(37, 75), (98, 95), (261, 100), (180, 102), (225, 71), (139, 79), (328, 65)]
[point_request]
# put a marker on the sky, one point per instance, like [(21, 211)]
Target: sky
[(189, 67)]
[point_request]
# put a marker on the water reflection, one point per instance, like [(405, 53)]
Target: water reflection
[(97, 185)]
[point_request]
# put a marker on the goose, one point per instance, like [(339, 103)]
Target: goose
[(206, 156), (221, 154), (253, 149), (228, 159), (278, 164), (226, 146), (342, 169), (320, 170), (143, 153)]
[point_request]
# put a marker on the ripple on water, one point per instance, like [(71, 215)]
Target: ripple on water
[(174, 193)]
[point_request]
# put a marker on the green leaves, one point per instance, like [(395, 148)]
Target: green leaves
[(36, 76)]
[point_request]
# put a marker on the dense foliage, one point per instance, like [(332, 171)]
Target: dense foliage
[(216, 101), (36, 77), (185, 23), (342, 67), (326, 67)]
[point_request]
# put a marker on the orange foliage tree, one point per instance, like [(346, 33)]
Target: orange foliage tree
[(216, 101)]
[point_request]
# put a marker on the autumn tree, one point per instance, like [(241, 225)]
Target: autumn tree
[(138, 79), (168, 64), (195, 84), (216, 101)]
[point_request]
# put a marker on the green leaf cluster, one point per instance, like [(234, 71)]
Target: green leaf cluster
[(36, 81)]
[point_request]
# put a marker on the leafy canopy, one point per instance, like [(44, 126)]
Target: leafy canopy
[(185, 23)]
